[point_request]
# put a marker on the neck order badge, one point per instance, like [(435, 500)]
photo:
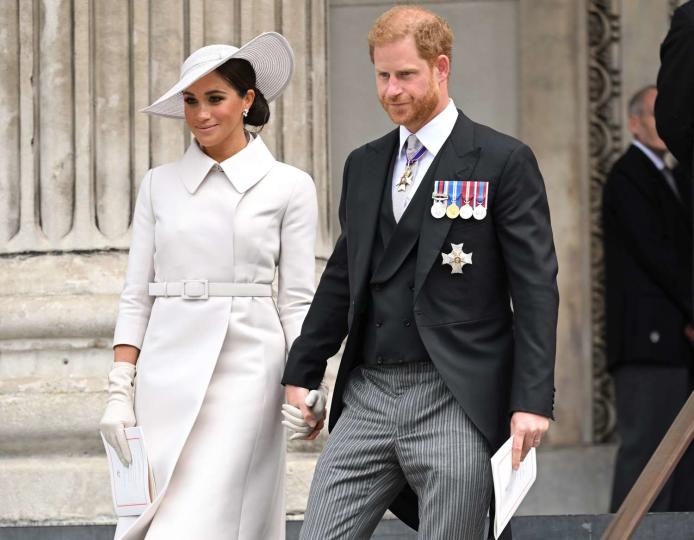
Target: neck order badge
[(414, 152)]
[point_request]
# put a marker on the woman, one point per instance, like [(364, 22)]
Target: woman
[(196, 313)]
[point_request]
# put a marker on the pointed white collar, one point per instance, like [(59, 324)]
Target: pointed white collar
[(650, 154), (434, 134), (244, 169)]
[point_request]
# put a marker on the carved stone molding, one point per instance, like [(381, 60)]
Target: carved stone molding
[(605, 146)]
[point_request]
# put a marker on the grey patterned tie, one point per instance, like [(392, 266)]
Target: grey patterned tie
[(671, 182), (400, 195)]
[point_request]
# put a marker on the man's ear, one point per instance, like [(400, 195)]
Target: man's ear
[(633, 124), (443, 67)]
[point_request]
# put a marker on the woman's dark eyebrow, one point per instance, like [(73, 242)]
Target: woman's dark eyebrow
[(209, 92)]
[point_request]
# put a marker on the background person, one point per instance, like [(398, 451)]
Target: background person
[(674, 108), (196, 313), (648, 257), (437, 370)]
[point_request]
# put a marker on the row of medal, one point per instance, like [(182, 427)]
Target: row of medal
[(449, 194)]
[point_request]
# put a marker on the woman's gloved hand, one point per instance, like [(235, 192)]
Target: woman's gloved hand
[(119, 413), (294, 420)]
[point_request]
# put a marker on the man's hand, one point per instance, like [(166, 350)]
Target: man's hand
[(297, 398), (527, 430)]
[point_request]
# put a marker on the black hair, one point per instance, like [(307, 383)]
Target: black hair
[(239, 73)]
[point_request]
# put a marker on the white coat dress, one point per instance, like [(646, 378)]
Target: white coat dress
[(207, 392)]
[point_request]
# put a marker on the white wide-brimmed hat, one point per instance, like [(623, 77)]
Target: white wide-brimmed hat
[(270, 55)]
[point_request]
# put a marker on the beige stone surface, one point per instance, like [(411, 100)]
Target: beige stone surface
[(554, 114)]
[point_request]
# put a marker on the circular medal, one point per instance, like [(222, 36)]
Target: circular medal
[(438, 209), (453, 211), (480, 212), (466, 211)]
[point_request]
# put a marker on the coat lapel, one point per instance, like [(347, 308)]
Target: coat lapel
[(367, 202), (458, 160)]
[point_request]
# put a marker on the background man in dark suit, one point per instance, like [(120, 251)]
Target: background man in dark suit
[(648, 255), (438, 369)]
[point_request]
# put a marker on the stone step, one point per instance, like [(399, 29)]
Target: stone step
[(570, 481), (673, 526)]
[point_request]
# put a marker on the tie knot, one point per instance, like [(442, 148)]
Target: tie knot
[(413, 146)]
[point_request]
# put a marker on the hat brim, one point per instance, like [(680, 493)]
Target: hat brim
[(270, 55)]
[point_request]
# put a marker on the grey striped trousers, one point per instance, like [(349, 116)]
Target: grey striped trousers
[(400, 424)]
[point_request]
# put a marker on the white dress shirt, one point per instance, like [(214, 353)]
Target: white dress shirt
[(432, 136), (650, 154)]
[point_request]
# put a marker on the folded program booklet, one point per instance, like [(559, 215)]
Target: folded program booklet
[(510, 487), (132, 486)]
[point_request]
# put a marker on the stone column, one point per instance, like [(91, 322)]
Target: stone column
[(76, 72), (553, 59)]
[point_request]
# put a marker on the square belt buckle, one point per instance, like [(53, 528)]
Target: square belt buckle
[(195, 289)]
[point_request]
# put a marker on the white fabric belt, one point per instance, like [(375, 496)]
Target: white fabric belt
[(201, 289)]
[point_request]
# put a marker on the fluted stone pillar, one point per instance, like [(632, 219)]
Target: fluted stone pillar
[(75, 74)]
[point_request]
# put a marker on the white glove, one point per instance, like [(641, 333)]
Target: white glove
[(294, 419), (119, 413)]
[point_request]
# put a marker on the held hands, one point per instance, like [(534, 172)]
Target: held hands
[(119, 412), (304, 412), (527, 430)]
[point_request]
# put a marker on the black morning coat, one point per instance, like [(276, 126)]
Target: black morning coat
[(495, 360), (674, 106), (648, 264)]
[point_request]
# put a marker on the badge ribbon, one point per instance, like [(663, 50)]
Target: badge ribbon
[(406, 178)]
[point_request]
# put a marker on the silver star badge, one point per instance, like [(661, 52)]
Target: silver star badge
[(457, 258)]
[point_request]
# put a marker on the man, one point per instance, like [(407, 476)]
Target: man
[(438, 370), (674, 108), (648, 254)]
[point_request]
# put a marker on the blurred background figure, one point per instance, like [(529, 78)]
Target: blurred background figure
[(675, 106), (648, 258)]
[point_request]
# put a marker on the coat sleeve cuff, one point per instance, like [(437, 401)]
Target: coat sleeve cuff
[(130, 332)]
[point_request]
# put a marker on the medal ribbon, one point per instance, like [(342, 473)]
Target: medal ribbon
[(467, 192), (439, 192), (482, 190), (452, 193)]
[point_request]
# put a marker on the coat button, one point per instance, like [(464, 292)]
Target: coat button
[(654, 337), (411, 287), (379, 360), (406, 323), (379, 324)]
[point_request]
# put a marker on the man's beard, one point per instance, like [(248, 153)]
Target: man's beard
[(420, 109)]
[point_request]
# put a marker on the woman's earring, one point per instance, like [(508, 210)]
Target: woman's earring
[(245, 113)]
